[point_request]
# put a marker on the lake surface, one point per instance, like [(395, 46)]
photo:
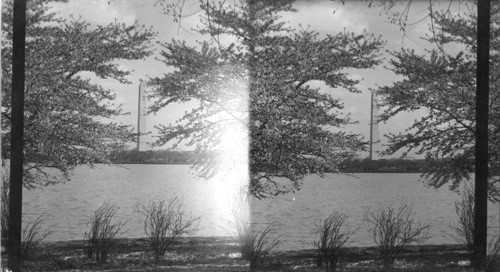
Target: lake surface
[(67, 207)]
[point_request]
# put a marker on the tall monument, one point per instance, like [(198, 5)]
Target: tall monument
[(141, 117), (373, 124)]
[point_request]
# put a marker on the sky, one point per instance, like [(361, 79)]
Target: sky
[(326, 17)]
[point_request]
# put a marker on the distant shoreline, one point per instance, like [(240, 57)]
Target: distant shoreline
[(348, 172), (155, 163)]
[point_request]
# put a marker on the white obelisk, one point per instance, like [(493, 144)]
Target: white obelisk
[(373, 124), (141, 115)]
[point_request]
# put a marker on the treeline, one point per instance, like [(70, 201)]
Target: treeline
[(385, 166), (154, 157), (189, 157)]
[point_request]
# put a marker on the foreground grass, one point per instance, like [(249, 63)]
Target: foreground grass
[(220, 254)]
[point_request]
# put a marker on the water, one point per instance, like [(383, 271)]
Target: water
[(296, 215), (66, 207)]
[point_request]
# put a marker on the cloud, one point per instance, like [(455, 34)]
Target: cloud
[(99, 12)]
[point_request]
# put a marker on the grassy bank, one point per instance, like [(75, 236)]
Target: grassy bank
[(222, 254)]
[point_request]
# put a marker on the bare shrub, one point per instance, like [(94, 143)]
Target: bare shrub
[(332, 237), (257, 246), (33, 235), (103, 230), (254, 246), (5, 206), (493, 257), (394, 229), (164, 222), (240, 224), (465, 211)]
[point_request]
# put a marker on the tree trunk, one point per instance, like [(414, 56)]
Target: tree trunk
[(16, 136), (481, 164)]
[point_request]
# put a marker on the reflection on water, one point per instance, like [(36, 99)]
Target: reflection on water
[(67, 206)]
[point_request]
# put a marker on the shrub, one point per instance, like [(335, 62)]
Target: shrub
[(33, 235), (254, 246), (332, 237), (164, 222), (240, 224), (465, 211), (5, 206), (103, 231), (493, 258), (393, 229)]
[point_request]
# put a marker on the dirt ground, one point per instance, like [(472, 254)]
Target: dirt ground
[(222, 254)]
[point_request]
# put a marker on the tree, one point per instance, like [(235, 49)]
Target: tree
[(442, 85), (262, 83), (67, 115), (63, 121), (482, 148)]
